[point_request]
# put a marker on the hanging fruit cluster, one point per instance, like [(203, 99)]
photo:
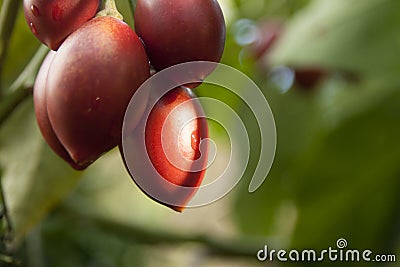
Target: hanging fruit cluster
[(98, 62)]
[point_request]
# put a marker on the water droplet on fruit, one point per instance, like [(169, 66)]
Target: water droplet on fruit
[(35, 11), (33, 28), (195, 144), (95, 103)]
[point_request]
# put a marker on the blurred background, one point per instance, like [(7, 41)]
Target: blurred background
[(331, 73)]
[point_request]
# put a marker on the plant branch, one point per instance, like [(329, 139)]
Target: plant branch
[(11, 102), (8, 15), (243, 247), (22, 87)]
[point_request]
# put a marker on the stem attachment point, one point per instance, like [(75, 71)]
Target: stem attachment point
[(108, 8)]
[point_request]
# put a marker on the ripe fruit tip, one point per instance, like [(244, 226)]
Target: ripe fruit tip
[(77, 167), (175, 208)]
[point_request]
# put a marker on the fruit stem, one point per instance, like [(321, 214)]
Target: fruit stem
[(8, 16), (108, 8)]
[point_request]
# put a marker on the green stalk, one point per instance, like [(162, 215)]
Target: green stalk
[(22, 87), (132, 5), (8, 15), (108, 8)]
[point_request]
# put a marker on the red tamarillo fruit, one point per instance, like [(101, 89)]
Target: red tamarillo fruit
[(40, 103), (175, 165), (178, 31), (90, 82), (51, 21)]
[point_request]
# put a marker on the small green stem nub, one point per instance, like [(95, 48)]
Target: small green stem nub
[(108, 8)]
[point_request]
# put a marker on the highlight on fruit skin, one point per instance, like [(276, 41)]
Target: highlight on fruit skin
[(51, 21), (165, 154), (88, 86)]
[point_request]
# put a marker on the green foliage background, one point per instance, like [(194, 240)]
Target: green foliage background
[(336, 172)]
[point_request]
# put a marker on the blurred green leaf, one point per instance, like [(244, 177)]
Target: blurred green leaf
[(356, 36), (342, 182), (347, 182), (34, 178), (336, 145), (86, 244)]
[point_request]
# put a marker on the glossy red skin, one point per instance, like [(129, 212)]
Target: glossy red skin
[(177, 31), (175, 139), (40, 104), (177, 142), (53, 20), (90, 83)]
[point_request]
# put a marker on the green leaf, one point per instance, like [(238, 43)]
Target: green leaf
[(342, 184), (347, 182), (358, 36), (34, 178)]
